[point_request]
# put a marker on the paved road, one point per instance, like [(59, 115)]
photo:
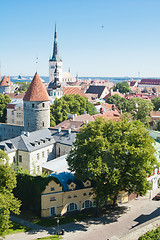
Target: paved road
[(130, 216)]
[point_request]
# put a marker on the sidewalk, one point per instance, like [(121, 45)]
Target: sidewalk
[(130, 221), (37, 232)]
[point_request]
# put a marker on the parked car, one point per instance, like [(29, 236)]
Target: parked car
[(157, 197)]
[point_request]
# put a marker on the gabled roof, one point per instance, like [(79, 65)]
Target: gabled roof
[(33, 141), (36, 91), (73, 90), (96, 90), (16, 95), (150, 81), (5, 81), (65, 178)]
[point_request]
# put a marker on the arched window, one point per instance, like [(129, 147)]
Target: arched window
[(87, 204), (72, 207)]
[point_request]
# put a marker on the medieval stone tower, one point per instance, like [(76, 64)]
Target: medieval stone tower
[(55, 60), (36, 106)]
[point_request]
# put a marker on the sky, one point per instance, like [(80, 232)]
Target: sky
[(96, 38)]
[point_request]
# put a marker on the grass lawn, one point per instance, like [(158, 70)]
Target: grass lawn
[(55, 237), (52, 221), (16, 228)]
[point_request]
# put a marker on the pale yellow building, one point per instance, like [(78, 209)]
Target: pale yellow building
[(65, 194)]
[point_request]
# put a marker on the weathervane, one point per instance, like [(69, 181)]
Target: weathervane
[(36, 64)]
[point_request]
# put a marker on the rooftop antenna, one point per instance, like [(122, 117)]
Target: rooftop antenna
[(36, 64)]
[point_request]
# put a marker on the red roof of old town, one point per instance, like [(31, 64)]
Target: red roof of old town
[(36, 91), (73, 90)]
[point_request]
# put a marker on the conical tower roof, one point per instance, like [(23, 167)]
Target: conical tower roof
[(5, 81), (55, 56), (36, 91)]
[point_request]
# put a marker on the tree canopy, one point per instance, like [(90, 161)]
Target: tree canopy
[(117, 156), (70, 104), (4, 100), (156, 103), (123, 87), (23, 86), (8, 202), (138, 108)]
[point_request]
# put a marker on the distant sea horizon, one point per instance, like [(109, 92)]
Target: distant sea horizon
[(46, 79)]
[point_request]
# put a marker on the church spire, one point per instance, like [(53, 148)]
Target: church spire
[(55, 56)]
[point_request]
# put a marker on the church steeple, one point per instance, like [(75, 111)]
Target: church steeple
[(55, 56)]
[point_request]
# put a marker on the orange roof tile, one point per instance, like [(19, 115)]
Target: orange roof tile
[(36, 91), (16, 95), (5, 81), (73, 90)]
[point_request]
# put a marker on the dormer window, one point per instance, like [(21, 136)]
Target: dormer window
[(32, 105), (43, 105)]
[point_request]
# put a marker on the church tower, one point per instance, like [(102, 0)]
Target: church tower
[(55, 60), (36, 106)]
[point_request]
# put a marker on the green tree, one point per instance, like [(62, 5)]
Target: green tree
[(120, 102), (140, 109), (8, 203), (23, 86), (4, 100), (116, 156), (156, 103), (123, 87), (70, 104)]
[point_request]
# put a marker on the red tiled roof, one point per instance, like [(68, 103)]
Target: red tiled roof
[(150, 81), (36, 91), (5, 81), (73, 90), (109, 115), (11, 106), (16, 95)]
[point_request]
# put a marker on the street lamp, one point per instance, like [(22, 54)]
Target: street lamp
[(58, 227)]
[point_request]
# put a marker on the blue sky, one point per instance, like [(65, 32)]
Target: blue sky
[(128, 42)]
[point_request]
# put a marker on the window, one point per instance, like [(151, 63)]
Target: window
[(24, 104), (69, 197), (52, 189), (37, 168), (14, 159), (37, 156), (43, 154), (43, 105), (75, 196), (72, 207), (43, 124), (20, 158), (84, 194), (12, 112), (52, 67), (87, 204), (52, 199), (52, 211), (32, 105)]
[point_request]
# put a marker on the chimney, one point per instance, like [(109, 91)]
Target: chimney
[(59, 129), (69, 130)]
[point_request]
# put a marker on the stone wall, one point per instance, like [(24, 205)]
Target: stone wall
[(8, 131), (36, 115)]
